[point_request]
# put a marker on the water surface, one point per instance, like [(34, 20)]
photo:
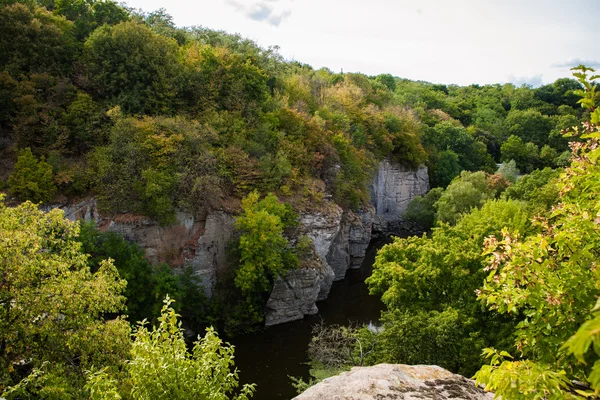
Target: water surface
[(270, 356)]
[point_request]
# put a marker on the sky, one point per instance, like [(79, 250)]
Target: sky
[(441, 41)]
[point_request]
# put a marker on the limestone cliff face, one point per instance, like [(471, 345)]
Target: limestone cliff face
[(393, 188), (396, 381), (199, 243), (340, 239)]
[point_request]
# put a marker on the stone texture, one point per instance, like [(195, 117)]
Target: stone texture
[(338, 256), (393, 188), (200, 243), (359, 236), (395, 381), (293, 296), (207, 255), (323, 228)]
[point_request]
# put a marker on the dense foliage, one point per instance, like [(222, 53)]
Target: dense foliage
[(52, 321), (58, 324), (100, 100), (154, 118), (203, 374), (551, 280)]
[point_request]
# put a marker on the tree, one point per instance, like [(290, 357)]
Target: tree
[(264, 250), (133, 67), (31, 178), (552, 280), (466, 192), (422, 210), (53, 310), (427, 284), (33, 40), (160, 366), (509, 171)]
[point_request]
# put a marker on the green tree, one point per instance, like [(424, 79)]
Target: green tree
[(32, 178), (161, 367), (466, 192), (551, 278), (509, 171), (33, 40), (53, 313), (422, 210), (265, 252), (133, 67), (427, 285)]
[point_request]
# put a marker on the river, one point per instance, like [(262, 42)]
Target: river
[(268, 357)]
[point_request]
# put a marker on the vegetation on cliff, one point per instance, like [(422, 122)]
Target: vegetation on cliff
[(513, 280), (100, 100)]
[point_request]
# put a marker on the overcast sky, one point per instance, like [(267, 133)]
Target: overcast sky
[(441, 41)]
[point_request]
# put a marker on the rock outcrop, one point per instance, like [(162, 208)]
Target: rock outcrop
[(340, 239), (199, 243), (395, 381), (393, 188), (294, 296)]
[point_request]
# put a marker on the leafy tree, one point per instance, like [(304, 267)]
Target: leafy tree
[(443, 168), (33, 40), (551, 279), (88, 15), (509, 171), (529, 126), (265, 252), (160, 366), (31, 178), (422, 210), (53, 308), (468, 191), (526, 155), (133, 67), (427, 285)]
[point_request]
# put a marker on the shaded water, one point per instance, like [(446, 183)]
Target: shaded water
[(270, 356)]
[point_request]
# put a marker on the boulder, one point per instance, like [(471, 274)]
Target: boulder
[(396, 381)]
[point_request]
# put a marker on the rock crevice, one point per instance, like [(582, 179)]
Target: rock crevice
[(340, 238)]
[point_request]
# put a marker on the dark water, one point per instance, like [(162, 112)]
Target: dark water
[(269, 356)]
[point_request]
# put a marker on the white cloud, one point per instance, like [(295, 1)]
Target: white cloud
[(272, 12)]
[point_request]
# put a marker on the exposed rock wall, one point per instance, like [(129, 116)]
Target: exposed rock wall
[(396, 381), (393, 188), (199, 243), (340, 238), (294, 296)]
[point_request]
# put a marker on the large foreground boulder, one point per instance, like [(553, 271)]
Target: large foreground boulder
[(395, 381)]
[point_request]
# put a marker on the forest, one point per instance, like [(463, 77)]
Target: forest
[(100, 100)]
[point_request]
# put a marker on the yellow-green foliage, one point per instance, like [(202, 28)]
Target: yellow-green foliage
[(31, 178), (52, 307), (552, 280), (160, 367)]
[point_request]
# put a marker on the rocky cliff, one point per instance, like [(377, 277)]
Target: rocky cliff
[(199, 243), (340, 238), (395, 381), (393, 188)]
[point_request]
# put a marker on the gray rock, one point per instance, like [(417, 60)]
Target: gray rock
[(360, 236), (208, 256), (323, 228), (338, 256), (395, 381), (293, 296), (393, 188), (200, 243)]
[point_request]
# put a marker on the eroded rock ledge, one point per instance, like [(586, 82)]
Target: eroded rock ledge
[(396, 381), (340, 238)]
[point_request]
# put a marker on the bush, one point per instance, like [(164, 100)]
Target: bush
[(31, 179)]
